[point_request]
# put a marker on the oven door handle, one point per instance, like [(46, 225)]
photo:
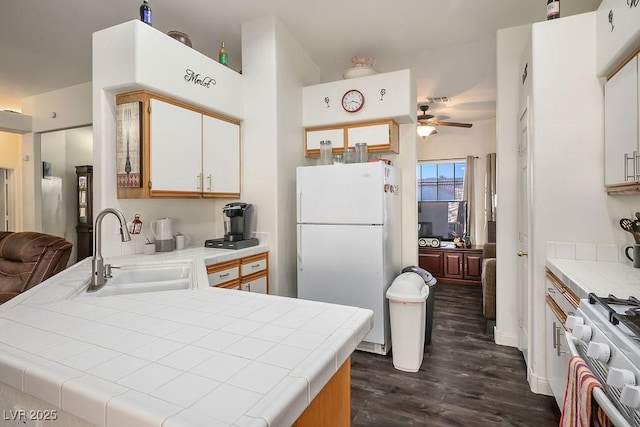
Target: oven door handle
[(599, 395)]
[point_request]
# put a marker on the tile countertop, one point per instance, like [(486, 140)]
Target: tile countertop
[(205, 356), (600, 277)]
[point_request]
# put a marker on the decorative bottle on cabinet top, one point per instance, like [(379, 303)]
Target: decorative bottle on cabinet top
[(222, 54), (553, 9), (145, 12)]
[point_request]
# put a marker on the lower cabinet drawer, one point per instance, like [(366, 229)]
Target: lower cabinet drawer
[(254, 264), (230, 285), (222, 273), (258, 285)]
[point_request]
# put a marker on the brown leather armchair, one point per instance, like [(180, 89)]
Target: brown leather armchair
[(28, 258), (489, 285)]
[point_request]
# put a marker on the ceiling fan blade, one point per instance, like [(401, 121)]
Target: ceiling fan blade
[(454, 124)]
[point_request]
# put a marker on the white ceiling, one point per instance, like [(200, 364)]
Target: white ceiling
[(448, 44)]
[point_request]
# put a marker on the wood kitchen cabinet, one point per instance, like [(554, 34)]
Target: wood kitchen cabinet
[(622, 152), (249, 274), (186, 152), (459, 266), (380, 136)]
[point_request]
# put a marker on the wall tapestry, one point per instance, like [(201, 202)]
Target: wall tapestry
[(128, 145)]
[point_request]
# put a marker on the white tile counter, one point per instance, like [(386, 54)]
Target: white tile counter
[(600, 277), (202, 356)]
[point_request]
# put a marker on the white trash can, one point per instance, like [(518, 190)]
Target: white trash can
[(407, 297)]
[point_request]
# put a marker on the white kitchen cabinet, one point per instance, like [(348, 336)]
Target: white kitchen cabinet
[(380, 136), (186, 152), (622, 166), (617, 33), (314, 136), (557, 351), (220, 156), (176, 141), (255, 284)]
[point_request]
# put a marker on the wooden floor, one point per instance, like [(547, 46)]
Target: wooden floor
[(465, 378)]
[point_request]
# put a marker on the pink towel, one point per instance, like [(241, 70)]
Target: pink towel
[(579, 408)]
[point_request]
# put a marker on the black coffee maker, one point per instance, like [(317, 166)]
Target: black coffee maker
[(238, 227)]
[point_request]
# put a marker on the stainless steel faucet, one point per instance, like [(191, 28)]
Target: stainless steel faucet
[(99, 278)]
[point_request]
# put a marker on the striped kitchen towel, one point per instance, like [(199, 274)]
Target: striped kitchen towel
[(579, 409)]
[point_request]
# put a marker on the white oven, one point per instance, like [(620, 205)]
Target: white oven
[(599, 335)]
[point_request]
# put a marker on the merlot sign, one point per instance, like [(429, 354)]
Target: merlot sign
[(191, 76)]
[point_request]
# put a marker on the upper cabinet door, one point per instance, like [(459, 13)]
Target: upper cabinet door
[(220, 156), (176, 137), (621, 125), (617, 33)]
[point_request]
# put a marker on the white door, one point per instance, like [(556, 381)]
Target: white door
[(343, 264), (220, 156), (176, 148), (342, 194), (524, 288)]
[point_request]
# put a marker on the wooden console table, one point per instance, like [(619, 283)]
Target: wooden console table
[(458, 266)]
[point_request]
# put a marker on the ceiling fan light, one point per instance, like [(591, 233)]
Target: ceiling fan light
[(425, 130)]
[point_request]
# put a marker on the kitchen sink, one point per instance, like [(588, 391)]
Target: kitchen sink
[(147, 278)]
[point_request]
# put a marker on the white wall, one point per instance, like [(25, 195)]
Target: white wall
[(275, 68), (457, 143), (64, 150), (295, 69)]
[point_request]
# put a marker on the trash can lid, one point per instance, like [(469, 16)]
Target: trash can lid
[(429, 280), (408, 287)]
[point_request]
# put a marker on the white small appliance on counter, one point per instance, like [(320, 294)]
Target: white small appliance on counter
[(348, 239), (162, 230)]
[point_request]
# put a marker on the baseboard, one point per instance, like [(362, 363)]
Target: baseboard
[(507, 339), (537, 384)]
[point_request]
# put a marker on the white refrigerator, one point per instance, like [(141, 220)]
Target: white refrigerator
[(349, 239)]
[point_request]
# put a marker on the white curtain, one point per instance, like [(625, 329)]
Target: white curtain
[(490, 188), (468, 194)]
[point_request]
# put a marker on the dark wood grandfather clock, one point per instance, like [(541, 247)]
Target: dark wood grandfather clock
[(84, 227)]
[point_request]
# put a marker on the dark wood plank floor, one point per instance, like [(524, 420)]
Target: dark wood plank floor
[(465, 378)]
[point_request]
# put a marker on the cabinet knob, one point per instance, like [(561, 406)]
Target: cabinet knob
[(521, 253)]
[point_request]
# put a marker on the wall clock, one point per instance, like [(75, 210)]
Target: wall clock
[(352, 101)]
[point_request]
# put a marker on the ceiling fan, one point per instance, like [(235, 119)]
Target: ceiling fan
[(428, 122)]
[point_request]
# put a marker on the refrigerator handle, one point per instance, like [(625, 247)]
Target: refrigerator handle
[(299, 247), (299, 213)]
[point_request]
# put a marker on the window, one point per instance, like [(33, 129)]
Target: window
[(441, 210), (440, 180)]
